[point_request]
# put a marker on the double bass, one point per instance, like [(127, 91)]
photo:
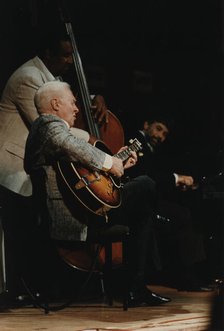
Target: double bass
[(85, 120), (81, 256)]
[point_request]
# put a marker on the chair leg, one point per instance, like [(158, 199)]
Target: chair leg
[(108, 272), (125, 272)]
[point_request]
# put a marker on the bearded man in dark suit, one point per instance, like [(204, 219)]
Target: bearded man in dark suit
[(181, 247)]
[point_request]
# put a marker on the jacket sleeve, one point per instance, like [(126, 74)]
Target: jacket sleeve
[(153, 166), (62, 144)]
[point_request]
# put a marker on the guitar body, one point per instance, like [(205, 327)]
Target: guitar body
[(98, 191)]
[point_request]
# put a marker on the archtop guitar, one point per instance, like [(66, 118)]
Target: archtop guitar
[(98, 191)]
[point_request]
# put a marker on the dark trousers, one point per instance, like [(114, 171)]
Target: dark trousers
[(180, 244), (16, 222), (136, 211)]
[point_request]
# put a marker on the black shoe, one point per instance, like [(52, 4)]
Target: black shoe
[(145, 298)]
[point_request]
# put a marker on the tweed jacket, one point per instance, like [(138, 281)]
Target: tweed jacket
[(50, 140)]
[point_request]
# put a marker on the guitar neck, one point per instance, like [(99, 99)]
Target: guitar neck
[(134, 147)]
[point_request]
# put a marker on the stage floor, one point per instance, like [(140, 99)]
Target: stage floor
[(187, 311)]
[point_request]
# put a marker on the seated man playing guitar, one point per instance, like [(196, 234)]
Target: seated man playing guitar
[(49, 142)]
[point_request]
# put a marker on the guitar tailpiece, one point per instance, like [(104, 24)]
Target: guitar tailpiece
[(106, 217)]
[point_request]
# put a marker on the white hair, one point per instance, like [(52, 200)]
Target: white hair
[(47, 92)]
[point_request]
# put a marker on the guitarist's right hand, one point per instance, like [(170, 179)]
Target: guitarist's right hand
[(117, 168)]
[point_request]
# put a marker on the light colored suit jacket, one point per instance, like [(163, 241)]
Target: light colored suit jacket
[(50, 140), (17, 112)]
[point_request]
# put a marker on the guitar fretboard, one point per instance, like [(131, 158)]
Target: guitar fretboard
[(134, 147)]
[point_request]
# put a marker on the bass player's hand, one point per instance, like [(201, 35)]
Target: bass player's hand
[(100, 109)]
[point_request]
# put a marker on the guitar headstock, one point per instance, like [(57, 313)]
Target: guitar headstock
[(135, 145)]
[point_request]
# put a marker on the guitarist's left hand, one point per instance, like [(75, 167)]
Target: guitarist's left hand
[(131, 161)]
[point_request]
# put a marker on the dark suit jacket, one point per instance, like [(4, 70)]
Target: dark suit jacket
[(153, 164)]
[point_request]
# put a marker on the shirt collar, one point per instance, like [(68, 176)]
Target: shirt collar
[(45, 114)]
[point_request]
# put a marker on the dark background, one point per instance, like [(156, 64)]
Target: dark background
[(141, 55)]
